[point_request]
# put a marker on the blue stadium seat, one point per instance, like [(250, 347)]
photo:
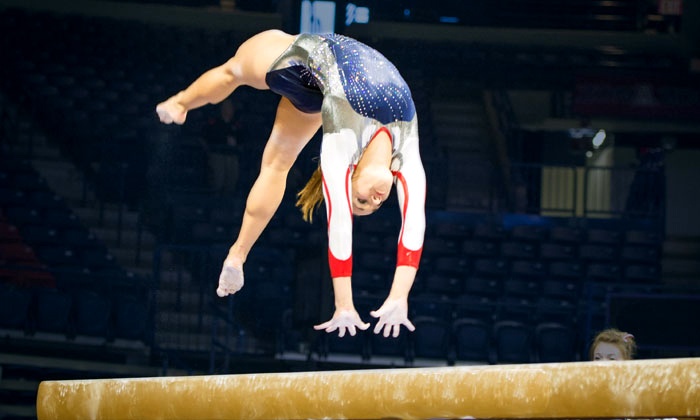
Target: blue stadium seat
[(566, 269), (92, 314), (442, 284), (560, 289), (14, 306), (552, 309), (531, 233), (451, 265), (472, 339), (53, 311), (518, 249), (603, 236), (597, 252), (512, 342), (516, 308), (42, 234), (58, 256), (642, 274), (132, 320), (642, 237), (518, 287), (430, 304), (605, 272), (496, 267), (431, 339), (557, 251), (555, 342), (640, 253), (371, 281), (472, 306), (489, 231), (532, 269), (23, 215), (482, 286), (480, 248)]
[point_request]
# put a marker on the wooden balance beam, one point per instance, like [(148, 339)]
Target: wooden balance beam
[(639, 388)]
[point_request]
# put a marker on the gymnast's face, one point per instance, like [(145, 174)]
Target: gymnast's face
[(607, 351), (370, 188)]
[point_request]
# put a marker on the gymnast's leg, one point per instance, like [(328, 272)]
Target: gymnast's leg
[(247, 67), (291, 131)]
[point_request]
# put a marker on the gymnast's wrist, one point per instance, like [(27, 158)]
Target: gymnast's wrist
[(180, 100), (342, 292)]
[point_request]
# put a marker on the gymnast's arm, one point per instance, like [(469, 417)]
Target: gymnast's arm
[(411, 191), (337, 150), (212, 86)]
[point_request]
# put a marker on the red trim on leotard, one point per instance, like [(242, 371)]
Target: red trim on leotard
[(338, 267), (405, 256), (374, 136), (379, 130)]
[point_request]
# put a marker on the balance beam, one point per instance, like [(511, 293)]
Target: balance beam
[(639, 388)]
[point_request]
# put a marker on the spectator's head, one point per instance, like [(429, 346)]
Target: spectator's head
[(613, 344)]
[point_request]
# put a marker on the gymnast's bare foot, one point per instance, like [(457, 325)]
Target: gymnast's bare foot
[(231, 279)]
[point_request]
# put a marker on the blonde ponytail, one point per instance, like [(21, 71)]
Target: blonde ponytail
[(311, 196)]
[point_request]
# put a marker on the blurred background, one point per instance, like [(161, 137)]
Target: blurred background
[(560, 141)]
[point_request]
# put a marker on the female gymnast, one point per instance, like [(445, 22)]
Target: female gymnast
[(613, 344), (370, 141)]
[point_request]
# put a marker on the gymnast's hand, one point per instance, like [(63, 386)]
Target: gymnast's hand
[(392, 314), (230, 280), (171, 111), (343, 319)]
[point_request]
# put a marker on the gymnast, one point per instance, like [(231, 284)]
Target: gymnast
[(369, 143)]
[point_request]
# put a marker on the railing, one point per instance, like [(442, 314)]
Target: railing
[(591, 191)]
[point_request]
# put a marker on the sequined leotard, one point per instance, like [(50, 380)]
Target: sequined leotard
[(359, 92)]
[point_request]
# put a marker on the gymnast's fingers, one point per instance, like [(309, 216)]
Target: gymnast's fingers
[(323, 326), (409, 325), (387, 330), (379, 326)]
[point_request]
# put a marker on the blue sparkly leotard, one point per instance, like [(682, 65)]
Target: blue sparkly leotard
[(359, 93)]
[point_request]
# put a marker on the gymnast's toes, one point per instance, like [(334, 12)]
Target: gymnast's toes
[(230, 281)]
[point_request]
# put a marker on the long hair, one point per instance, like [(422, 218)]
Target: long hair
[(311, 196), (623, 340)]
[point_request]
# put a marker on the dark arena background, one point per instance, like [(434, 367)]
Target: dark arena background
[(561, 142)]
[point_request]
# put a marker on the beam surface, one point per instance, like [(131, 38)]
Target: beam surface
[(640, 388)]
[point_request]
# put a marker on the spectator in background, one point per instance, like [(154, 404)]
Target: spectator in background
[(613, 344), (220, 136)]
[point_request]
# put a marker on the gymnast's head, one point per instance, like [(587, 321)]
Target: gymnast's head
[(613, 344), (371, 187)]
